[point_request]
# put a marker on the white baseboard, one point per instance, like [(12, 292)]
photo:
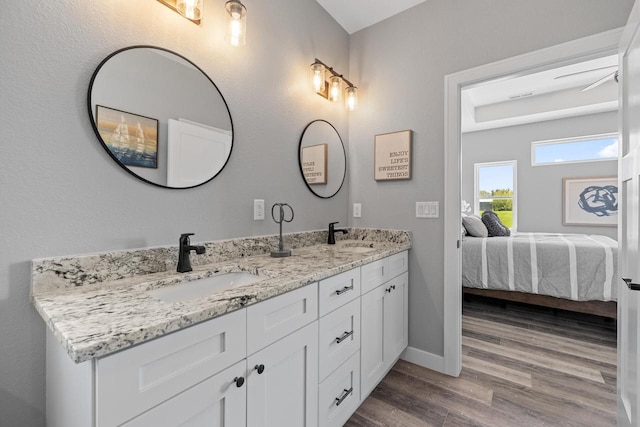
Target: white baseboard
[(423, 358)]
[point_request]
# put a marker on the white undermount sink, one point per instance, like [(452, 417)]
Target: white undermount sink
[(203, 287), (355, 250)]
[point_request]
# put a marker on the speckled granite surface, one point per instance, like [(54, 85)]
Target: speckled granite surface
[(98, 304)]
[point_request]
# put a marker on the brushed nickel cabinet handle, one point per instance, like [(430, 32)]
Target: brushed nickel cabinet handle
[(343, 290), (346, 394), (343, 337)]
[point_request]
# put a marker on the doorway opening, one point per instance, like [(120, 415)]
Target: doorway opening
[(566, 54)]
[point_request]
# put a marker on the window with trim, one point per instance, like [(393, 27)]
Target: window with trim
[(495, 189), (591, 148)]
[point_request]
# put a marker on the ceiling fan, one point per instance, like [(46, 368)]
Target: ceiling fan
[(613, 75)]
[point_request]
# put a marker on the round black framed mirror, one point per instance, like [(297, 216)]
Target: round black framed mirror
[(322, 159), (160, 117)]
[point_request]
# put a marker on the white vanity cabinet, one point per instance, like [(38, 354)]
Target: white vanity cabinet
[(304, 358), (384, 310)]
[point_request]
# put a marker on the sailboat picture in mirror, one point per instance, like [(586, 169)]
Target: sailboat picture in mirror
[(132, 138)]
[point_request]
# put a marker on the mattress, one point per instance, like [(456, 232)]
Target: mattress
[(578, 267)]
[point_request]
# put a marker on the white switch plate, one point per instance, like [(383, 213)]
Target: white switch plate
[(258, 209), (427, 209), (357, 210)]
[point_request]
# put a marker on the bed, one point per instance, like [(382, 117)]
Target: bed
[(574, 272)]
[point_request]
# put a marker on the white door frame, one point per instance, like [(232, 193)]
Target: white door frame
[(563, 54)]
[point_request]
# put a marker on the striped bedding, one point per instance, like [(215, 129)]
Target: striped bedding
[(572, 266)]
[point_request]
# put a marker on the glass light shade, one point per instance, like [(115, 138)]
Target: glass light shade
[(191, 9), (236, 23), (335, 89), (317, 76), (351, 98)]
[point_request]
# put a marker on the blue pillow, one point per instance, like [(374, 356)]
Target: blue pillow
[(493, 224)]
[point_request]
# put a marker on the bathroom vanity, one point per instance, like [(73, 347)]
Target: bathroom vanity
[(303, 344)]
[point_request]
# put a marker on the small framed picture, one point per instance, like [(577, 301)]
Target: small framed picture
[(314, 164), (131, 138), (590, 201), (392, 156)]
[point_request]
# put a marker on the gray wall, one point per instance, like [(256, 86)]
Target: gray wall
[(399, 66), (539, 188), (62, 194)]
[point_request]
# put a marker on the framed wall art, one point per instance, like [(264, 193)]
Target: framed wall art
[(314, 164), (131, 138), (590, 201), (392, 156)]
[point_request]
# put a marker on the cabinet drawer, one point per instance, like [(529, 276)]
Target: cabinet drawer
[(339, 337), (398, 264), (133, 381), (215, 402), (339, 395), (338, 290), (383, 270), (273, 319)]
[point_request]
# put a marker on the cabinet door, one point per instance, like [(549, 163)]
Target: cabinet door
[(137, 379), (282, 383), (372, 352), (384, 330), (217, 401), (396, 321)]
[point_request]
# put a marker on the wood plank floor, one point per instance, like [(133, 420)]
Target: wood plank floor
[(523, 366)]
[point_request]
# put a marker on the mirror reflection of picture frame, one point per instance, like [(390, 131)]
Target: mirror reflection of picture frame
[(392, 156), (314, 164), (132, 138), (591, 201)]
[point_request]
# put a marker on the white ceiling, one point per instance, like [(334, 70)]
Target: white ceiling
[(545, 95), (355, 15)]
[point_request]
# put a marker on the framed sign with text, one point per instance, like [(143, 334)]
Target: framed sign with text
[(314, 164), (392, 156)]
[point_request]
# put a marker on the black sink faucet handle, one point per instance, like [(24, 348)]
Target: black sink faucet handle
[(184, 250), (331, 239)]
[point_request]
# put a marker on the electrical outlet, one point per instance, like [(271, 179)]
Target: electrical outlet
[(357, 210), (258, 209)]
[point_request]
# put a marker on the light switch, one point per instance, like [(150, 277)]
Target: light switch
[(427, 209), (357, 210), (258, 209)]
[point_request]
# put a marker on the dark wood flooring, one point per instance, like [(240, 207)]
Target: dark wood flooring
[(523, 366)]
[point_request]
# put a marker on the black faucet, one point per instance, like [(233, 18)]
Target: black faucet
[(184, 262), (332, 233)]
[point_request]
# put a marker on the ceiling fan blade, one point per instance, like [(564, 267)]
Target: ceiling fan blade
[(599, 82), (585, 71)]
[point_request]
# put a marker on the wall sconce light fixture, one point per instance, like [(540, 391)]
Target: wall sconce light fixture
[(190, 9), (236, 19), (331, 88), (236, 23)]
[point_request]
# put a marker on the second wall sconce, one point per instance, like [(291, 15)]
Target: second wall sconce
[(236, 17), (328, 84)]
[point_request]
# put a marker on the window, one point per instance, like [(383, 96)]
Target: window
[(495, 189), (575, 150)]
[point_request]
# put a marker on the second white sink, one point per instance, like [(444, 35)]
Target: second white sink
[(355, 250), (203, 287)]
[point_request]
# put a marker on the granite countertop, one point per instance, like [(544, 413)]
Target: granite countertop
[(100, 317)]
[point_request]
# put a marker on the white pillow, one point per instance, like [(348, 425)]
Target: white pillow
[(474, 225)]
